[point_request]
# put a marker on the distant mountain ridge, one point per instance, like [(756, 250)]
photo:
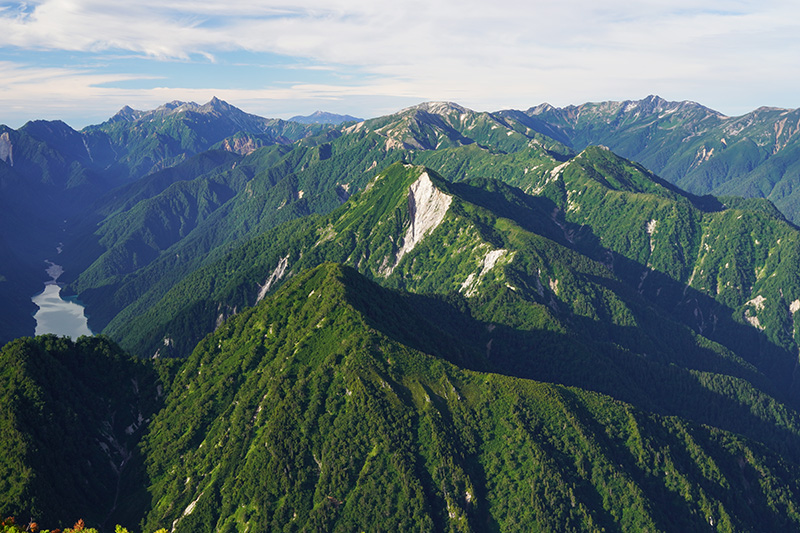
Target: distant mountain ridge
[(692, 146), (324, 117), (51, 175)]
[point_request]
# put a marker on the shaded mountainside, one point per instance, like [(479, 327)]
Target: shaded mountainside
[(52, 178), (323, 408), (71, 415)]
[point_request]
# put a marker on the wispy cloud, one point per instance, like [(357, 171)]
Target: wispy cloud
[(485, 55)]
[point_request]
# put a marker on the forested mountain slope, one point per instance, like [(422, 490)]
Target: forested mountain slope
[(184, 217), (52, 176), (71, 416), (559, 306), (336, 406)]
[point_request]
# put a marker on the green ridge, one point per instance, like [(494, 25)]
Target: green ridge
[(304, 413)]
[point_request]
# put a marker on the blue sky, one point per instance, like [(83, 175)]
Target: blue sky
[(82, 60)]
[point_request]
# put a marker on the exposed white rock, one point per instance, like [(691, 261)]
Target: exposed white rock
[(794, 306), (651, 229), (186, 512), (276, 275), (427, 207), (554, 286), (557, 170), (490, 260), (6, 149), (753, 320), (757, 302), (468, 284)]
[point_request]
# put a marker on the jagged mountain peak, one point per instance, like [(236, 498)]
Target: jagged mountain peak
[(438, 108), (434, 125), (541, 108), (220, 106), (127, 114), (175, 107)]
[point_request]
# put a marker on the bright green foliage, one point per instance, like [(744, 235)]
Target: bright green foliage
[(9, 525), (323, 409)]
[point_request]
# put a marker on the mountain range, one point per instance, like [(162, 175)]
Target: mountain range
[(439, 319)]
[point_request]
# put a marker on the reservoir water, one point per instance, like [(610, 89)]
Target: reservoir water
[(57, 315)]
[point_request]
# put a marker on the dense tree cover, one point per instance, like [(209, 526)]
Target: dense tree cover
[(71, 415), (607, 205), (10, 525), (190, 216), (310, 412)]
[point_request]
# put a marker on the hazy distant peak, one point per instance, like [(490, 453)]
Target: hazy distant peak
[(175, 105), (324, 117), (541, 108), (770, 109)]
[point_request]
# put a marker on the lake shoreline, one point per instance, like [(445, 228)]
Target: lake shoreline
[(56, 314)]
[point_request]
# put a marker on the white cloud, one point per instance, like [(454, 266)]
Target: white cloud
[(484, 55)]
